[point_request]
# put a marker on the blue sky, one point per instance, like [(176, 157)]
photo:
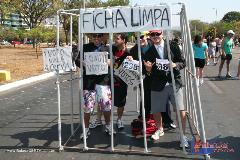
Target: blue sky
[(204, 10)]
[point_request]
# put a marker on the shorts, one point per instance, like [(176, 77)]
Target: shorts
[(199, 62), (227, 57), (159, 99), (211, 52), (101, 97), (120, 94)]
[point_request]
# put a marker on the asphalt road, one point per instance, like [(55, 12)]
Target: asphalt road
[(28, 120)]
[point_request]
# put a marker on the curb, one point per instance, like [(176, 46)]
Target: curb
[(26, 81)]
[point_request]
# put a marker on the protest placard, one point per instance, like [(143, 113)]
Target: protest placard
[(131, 78), (96, 63), (125, 19), (57, 59)]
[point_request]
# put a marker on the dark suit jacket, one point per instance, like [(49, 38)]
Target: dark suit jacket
[(159, 77)]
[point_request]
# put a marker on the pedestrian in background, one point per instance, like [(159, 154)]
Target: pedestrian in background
[(227, 46), (200, 50)]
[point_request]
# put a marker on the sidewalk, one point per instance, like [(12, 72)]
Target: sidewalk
[(24, 82)]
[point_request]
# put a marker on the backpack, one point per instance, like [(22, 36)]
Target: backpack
[(137, 127)]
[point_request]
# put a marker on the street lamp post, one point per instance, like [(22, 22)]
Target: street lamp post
[(215, 13)]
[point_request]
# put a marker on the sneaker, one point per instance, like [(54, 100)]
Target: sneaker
[(120, 124), (228, 76), (185, 142), (158, 134), (87, 133), (172, 126), (108, 129), (95, 124)]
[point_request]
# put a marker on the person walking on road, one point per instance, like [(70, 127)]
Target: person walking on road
[(227, 46), (212, 51), (219, 47), (200, 50)]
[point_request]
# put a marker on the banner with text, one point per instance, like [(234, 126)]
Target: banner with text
[(57, 59), (125, 19), (96, 63)]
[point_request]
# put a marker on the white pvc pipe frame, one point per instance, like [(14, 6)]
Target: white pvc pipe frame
[(187, 37)]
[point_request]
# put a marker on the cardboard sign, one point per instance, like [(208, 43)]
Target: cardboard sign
[(96, 63), (131, 78), (57, 59), (125, 19), (131, 65)]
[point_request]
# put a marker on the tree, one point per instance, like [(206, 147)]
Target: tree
[(34, 12), (231, 17), (116, 3), (237, 28), (65, 19), (8, 34), (198, 27), (5, 8), (177, 33)]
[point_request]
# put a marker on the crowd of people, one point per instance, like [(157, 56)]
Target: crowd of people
[(157, 82), (209, 51)]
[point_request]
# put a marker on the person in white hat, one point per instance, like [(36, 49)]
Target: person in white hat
[(226, 54)]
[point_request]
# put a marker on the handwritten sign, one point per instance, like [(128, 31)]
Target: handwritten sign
[(57, 59), (96, 63), (131, 78), (125, 19), (162, 64), (131, 65)]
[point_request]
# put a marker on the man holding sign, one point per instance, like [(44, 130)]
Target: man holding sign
[(96, 87), (157, 64), (120, 53)]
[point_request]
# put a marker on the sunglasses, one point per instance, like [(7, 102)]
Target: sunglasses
[(153, 34), (141, 37)]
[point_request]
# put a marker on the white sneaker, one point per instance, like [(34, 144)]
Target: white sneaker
[(108, 129), (87, 133), (95, 123), (185, 142), (120, 124), (158, 134)]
